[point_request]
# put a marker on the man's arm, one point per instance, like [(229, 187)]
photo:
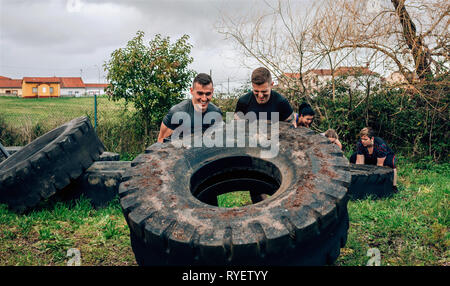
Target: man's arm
[(359, 159), (164, 132), (240, 108), (292, 119), (380, 161), (338, 143)]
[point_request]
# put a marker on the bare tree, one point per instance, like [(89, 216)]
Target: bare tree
[(393, 33), (278, 38)]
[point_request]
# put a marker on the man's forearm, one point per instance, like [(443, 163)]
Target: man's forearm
[(292, 119)]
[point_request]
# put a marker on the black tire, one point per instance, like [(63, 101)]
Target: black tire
[(169, 201), (48, 164), (99, 183), (109, 156), (370, 180)]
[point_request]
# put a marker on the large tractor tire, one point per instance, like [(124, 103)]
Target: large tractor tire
[(48, 164), (169, 199)]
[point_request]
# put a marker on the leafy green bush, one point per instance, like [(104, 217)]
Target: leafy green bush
[(405, 120)]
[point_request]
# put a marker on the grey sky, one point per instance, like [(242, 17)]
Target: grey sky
[(75, 37)]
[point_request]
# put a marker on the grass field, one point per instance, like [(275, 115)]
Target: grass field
[(20, 111), (410, 228), (23, 120)]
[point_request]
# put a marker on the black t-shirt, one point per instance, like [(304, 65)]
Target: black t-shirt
[(187, 108), (380, 149), (276, 103)]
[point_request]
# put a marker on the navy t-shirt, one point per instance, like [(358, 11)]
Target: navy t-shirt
[(380, 149), (276, 103)]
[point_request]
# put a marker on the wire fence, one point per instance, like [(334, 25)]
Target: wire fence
[(24, 119)]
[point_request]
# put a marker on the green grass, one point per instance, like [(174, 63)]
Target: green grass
[(234, 199), (412, 228), (44, 236)]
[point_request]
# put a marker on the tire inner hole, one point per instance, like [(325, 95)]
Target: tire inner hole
[(232, 174)]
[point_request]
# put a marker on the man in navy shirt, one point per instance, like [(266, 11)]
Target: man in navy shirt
[(373, 150)]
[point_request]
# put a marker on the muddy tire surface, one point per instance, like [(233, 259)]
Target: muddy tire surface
[(169, 199), (370, 180), (48, 164)]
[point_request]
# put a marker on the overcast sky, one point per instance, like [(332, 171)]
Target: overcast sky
[(75, 37)]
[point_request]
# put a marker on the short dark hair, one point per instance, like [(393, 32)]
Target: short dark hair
[(305, 109), (203, 79), (261, 75)]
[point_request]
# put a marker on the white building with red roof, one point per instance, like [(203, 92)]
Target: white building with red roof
[(9, 86)]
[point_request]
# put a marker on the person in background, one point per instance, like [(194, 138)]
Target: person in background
[(305, 115), (372, 150), (333, 137)]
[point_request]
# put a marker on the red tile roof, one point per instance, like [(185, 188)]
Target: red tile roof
[(104, 85), (66, 82), (13, 83), (72, 82), (354, 71), (321, 72), (340, 71), (4, 77), (42, 79), (292, 75)]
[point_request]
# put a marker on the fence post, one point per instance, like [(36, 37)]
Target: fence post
[(95, 111)]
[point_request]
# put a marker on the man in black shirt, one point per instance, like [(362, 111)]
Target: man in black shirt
[(264, 100), (192, 111)]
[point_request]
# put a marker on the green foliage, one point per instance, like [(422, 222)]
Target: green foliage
[(151, 77), (405, 120)]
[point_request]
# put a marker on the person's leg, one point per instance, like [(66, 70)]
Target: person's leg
[(391, 162)]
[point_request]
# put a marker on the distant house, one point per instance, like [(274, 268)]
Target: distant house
[(33, 87), (397, 78), (355, 77), (72, 86), (9, 86), (95, 88), (41, 87)]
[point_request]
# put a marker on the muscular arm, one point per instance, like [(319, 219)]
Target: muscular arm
[(164, 132)]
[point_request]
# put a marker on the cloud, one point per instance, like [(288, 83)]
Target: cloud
[(63, 35)]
